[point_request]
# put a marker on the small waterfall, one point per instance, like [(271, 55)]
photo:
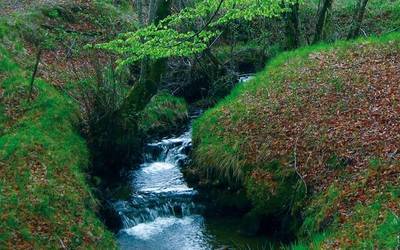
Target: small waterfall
[(161, 202), (164, 210), (246, 77), (160, 212)]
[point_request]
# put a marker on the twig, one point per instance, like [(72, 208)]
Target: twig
[(215, 40), (204, 26), (395, 215), (363, 31), (62, 243), (295, 165), (393, 30), (38, 55)]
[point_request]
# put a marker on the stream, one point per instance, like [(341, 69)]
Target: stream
[(160, 212)]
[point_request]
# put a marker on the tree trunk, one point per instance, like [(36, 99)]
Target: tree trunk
[(139, 11), (293, 27), (151, 71), (120, 128), (141, 93), (357, 20), (319, 29), (153, 5)]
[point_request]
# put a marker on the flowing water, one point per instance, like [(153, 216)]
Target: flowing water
[(161, 214), (246, 77)]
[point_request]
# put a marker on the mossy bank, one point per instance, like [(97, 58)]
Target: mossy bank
[(314, 136), (45, 202), (49, 196)]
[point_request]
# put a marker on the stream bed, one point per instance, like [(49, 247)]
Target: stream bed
[(160, 212)]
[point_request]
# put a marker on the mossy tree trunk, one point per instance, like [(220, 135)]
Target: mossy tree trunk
[(151, 71), (118, 139)]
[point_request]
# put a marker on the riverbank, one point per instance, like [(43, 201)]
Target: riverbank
[(51, 196), (314, 137), (45, 201)]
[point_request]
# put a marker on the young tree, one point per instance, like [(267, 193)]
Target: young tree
[(293, 26), (355, 26), (322, 13), (35, 69)]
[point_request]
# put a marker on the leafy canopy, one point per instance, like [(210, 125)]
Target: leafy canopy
[(175, 35)]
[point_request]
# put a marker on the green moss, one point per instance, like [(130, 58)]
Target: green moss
[(335, 162), (371, 226), (321, 212), (386, 234), (274, 189), (163, 113)]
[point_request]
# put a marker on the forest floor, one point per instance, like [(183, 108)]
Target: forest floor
[(8, 7)]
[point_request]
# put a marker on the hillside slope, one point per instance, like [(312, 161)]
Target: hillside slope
[(45, 202), (316, 135)]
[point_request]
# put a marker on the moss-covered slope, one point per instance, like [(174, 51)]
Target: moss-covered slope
[(45, 202), (316, 134)]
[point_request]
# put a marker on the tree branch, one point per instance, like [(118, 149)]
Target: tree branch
[(205, 25)]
